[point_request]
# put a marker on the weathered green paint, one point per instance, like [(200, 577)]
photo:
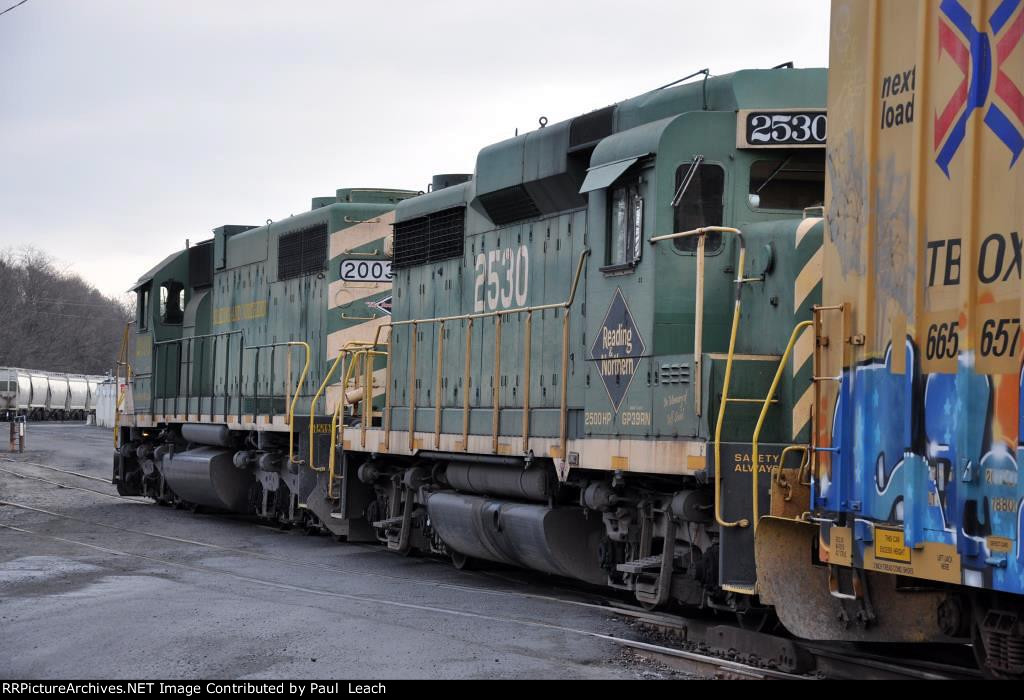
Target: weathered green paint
[(246, 307), (664, 129)]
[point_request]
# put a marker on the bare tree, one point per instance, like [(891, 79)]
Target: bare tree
[(54, 320)]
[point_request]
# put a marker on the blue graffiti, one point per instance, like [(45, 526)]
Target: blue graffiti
[(917, 450)]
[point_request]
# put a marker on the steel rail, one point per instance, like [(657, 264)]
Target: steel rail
[(849, 662), (140, 500), (712, 661)]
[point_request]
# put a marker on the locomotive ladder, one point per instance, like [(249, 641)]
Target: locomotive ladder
[(700, 234), (122, 361), (355, 354), (817, 378)]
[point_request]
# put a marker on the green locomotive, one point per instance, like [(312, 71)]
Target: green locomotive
[(575, 360)]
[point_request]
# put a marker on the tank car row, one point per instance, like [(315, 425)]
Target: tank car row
[(39, 395), (650, 347)]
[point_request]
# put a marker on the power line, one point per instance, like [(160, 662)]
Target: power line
[(13, 6), (58, 302), (87, 318)]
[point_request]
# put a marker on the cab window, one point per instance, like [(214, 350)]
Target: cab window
[(172, 302), (790, 182), (625, 223), (699, 203), (142, 308)]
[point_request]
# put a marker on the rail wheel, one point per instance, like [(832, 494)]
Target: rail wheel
[(757, 618), (460, 561)]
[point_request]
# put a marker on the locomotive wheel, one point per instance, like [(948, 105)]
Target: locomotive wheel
[(460, 561), (757, 618)]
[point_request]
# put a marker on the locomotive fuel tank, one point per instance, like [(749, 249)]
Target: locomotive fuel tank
[(561, 541), (208, 477), (218, 435), (525, 484)]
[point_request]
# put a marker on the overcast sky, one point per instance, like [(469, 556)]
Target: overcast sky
[(127, 126)]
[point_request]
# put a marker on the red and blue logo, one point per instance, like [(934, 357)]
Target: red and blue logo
[(985, 82)]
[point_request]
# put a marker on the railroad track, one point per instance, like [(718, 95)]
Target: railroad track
[(74, 488), (696, 646), (706, 661)]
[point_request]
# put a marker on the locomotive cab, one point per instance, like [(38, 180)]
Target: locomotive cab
[(664, 358)]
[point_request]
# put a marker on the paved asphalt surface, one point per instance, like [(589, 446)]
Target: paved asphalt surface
[(222, 597)]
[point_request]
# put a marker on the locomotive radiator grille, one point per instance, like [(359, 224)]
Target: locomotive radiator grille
[(437, 236)]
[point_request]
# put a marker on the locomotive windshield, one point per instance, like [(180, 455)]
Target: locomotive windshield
[(700, 203), (790, 181)]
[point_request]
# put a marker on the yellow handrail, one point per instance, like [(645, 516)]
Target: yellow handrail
[(467, 386), (363, 348), (295, 398), (387, 395), (365, 355), (797, 330), (338, 408), (438, 387), (122, 359), (498, 314), (355, 344), (740, 280), (312, 406)]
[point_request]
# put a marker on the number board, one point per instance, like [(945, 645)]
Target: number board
[(365, 271), (785, 128)]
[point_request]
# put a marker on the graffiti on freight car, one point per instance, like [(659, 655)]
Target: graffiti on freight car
[(965, 454)]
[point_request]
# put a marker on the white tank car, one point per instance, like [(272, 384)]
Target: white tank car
[(47, 395), (39, 396), (93, 384), (78, 397), (8, 392), (60, 396), (23, 393)]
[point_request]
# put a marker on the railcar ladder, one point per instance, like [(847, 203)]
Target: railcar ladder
[(808, 462)]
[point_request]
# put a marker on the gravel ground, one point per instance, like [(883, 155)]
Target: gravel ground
[(81, 599)]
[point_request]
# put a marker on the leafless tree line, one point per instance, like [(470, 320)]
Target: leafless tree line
[(54, 320)]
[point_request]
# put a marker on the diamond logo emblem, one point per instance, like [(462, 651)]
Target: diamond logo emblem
[(617, 349)]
